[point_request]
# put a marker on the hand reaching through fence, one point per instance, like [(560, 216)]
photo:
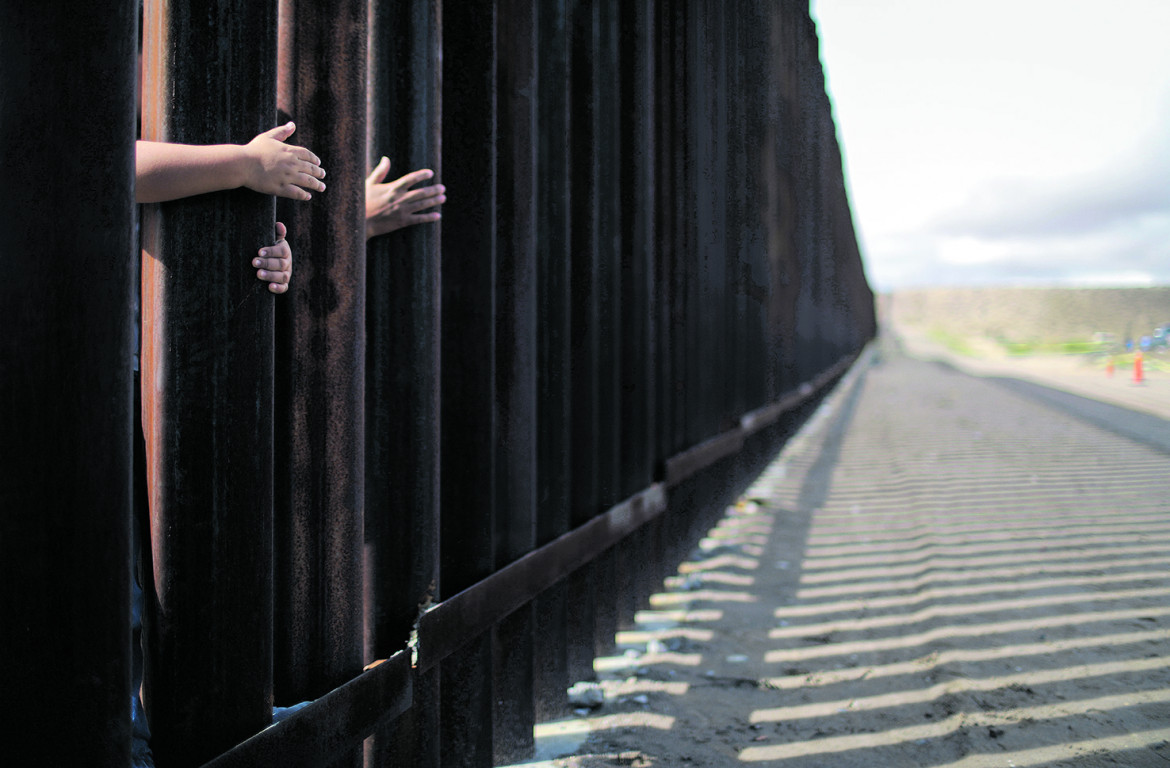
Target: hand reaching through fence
[(394, 205), (274, 265), (169, 171)]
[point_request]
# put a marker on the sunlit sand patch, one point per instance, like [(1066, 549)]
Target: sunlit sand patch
[(1152, 523), (710, 577), (1064, 753), (897, 529), (700, 595), (1081, 557), (633, 686), (940, 593), (1004, 574), (558, 742), (668, 618), (966, 720), (963, 609), (718, 562), (936, 550), (943, 633), (582, 725), (937, 691), (747, 543), (617, 663), (921, 665), (636, 637)]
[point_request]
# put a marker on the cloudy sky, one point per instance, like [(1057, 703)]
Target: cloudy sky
[(1004, 142)]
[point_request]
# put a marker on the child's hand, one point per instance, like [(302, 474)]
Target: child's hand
[(276, 168), (275, 262), (395, 205)]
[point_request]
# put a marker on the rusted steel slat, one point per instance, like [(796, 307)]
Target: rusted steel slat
[(637, 303), (607, 159), (65, 378), (450, 624), (637, 206), (607, 249), (516, 357), (331, 726), (584, 322), (207, 377), (666, 233), (469, 429), (402, 375), (320, 498), (554, 385)]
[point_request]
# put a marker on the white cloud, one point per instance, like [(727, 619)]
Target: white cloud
[(1004, 141)]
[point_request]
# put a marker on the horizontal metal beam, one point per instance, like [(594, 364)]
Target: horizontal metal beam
[(461, 618), (764, 417), (681, 466), (332, 725), (450, 624), (341, 719)]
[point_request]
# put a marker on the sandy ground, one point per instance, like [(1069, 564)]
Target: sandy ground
[(1077, 374), (917, 580)]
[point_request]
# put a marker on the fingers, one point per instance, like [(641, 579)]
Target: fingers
[(274, 263), (309, 181), (426, 193), (379, 173), (281, 132), (412, 178), (313, 170), (423, 218), (293, 192), (305, 154)]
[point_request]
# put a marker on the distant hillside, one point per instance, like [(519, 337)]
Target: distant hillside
[(1030, 314)]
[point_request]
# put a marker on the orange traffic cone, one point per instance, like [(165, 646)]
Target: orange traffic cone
[(1109, 368), (1137, 368)]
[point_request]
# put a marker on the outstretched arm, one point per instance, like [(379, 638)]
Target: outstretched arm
[(394, 205), (266, 164)]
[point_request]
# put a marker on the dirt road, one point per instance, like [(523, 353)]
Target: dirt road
[(938, 571)]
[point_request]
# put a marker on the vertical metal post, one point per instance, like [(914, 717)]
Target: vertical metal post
[(638, 296), (207, 375), (607, 250), (584, 324), (554, 300), (402, 374), (516, 357), (780, 149), (321, 356), (65, 377), (468, 379)]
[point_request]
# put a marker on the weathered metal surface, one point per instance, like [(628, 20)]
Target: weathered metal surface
[(469, 377), (638, 299), (321, 357), (554, 384), (402, 374), (66, 98), (207, 376), (584, 321), (333, 725), (646, 252), (516, 375), (453, 622)]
